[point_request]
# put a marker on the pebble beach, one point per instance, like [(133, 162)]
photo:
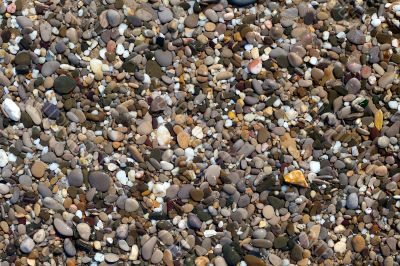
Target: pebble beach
[(199, 133)]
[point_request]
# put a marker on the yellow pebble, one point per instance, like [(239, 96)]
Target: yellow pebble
[(231, 115)]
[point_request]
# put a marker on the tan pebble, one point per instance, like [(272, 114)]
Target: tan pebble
[(38, 169), (209, 26), (201, 261), (183, 139), (4, 226)]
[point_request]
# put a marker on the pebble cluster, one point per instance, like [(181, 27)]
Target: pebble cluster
[(202, 132)]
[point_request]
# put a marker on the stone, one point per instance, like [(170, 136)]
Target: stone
[(113, 17), (99, 180), (296, 177), (352, 201), (11, 109), (84, 231), (163, 58), (69, 247), (24, 22), (27, 245), (191, 20), (358, 243), (356, 36), (386, 79), (254, 261), (62, 227), (3, 158), (22, 58), (64, 84), (45, 31), (49, 68), (75, 177), (165, 16), (51, 111), (268, 212), (38, 169), (194, 222), (148, 248), (294, 59), (183, 139), (131, 205)]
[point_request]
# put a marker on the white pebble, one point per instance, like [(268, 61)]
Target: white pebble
[(121, 176), (12, 109), (376, 22), (393, 105), (315, 166), (3, 158)]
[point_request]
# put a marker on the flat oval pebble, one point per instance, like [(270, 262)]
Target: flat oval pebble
[(99, 180)]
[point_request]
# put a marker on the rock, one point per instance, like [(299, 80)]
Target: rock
[(386, 79), (254, 261), (296, 177), (166, 237), (153, 69), (11, 109), (39, 236), (358, 243), (294, 59), (268, 212), (27, 245), (230, 255), (183, 139), (22, 58), (3, 158), (241, 3), (113, 17), (163, 58), (96, 66), (191, 20), (69, 247), (99, 180), (212, 174), (157, 256), (115, 135), (274, 260), (38, 169), (62, 227), (122, 231), (111, 257), (255, 66), (64, 84), (194, 222), (49, 68), (148, 248), (84, 231), (352, 201), (51, 111), (356, 36), (165, 16), (75, 177), (131, 205), (163, 136), (383, 142), (24, 22), (45, 31)]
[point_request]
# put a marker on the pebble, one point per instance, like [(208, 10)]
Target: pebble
[(83, 230), (99, 180), (11, 109), (27, 245), (148, 248), (63, 228)]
